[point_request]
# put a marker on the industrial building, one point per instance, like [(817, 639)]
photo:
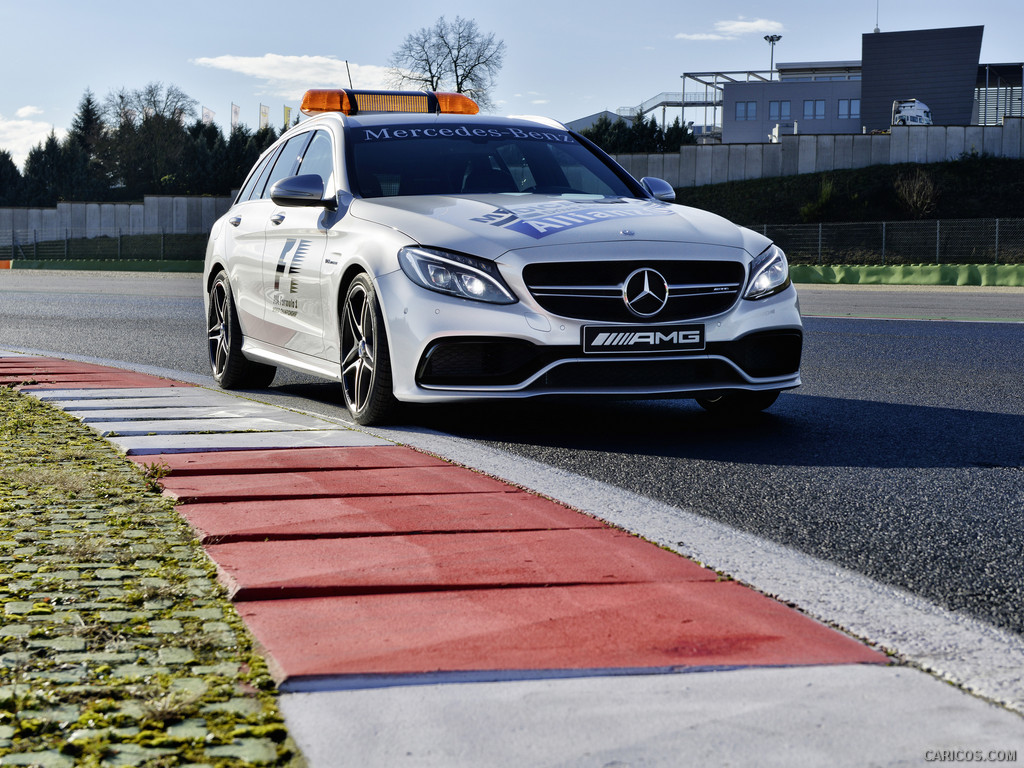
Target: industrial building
[(939, 67)]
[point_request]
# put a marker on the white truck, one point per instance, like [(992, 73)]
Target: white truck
[(910, 112)]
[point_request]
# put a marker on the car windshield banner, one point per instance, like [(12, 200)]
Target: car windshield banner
[(386, 133)]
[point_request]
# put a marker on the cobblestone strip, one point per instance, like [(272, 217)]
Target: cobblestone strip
[(117, 645)]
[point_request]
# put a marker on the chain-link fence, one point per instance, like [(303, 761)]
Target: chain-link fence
[(949, 241), (30, 245)]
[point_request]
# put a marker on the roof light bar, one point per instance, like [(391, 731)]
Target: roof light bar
[(352, 102)]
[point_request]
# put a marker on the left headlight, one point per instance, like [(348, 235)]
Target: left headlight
[(455, 275), (769, 274)]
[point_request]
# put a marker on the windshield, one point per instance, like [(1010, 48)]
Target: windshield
[(453, 159)]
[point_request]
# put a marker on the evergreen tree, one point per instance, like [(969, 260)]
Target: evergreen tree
[(676, 136), (82, 146), (645, 136), (87, 127), (44, 174), (10, 180)]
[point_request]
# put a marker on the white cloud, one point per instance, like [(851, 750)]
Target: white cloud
[(290, 76), (20, 136), (732, 30)]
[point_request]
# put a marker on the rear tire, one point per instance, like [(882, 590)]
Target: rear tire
[(365, 356), (231, 369), (738, 402)]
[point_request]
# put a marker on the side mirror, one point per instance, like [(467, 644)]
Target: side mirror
[(659, 189), (300, 191)]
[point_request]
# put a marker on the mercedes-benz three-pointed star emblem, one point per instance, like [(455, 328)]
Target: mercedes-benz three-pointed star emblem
[(645, 292)]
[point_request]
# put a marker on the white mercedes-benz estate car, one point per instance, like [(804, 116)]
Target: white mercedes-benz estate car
[(416, 251)]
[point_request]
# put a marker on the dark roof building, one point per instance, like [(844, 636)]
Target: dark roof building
[(936, 66), (939, 67)]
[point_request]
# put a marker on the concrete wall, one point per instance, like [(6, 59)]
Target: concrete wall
[(697, 165), (154, 216)]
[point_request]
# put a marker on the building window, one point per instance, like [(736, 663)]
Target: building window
[(849, 109), (779, 111), (746, 110), (814, 109)]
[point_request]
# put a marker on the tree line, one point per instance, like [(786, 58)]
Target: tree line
[(136, 143), (638, 136), (149, 142)]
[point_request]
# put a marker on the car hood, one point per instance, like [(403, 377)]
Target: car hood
[(490, 225)]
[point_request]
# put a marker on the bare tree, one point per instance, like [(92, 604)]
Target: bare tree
[(450, 56), (170, 103)]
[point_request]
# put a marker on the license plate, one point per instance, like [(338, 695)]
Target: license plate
[(642, 339)]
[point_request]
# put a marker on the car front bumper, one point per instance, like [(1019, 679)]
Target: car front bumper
[(519, 351)]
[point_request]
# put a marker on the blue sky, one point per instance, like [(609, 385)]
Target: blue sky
[(564, 60)]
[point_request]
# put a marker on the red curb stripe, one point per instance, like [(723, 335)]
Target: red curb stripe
[(43, 373), (328, 484), (609, 626), (291, 459), (258, 570), (379, 515)]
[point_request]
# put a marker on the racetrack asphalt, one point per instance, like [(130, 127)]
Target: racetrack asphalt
[(419, 612)]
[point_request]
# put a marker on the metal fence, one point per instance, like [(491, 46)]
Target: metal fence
[(947, 241), (32, 245)]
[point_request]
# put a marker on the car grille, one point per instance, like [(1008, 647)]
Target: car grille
[(592, 290)]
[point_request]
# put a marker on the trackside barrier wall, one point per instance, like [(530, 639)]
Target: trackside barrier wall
[(156, 215), (701, 164)]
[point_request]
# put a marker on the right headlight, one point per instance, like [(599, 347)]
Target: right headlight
[(769, 274), (455, 275)]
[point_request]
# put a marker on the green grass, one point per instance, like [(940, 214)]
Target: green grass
[(116, 641)]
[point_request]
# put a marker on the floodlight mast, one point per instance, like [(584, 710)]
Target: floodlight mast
[(772, 40)]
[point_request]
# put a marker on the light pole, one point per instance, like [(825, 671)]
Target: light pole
[(772, 40)]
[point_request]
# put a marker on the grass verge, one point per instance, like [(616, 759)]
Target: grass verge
[(117, 644)]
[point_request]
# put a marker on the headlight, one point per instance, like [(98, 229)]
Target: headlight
[(455, 275), (769, 274)]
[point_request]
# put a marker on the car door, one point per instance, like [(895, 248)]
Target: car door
[(244, 249), (293, 258)]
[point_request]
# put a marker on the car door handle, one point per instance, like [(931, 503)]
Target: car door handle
[(277, 218), (234, 221)]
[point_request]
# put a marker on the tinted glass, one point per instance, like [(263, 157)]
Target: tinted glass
[(254, 178), (319, 158), (287, 162), (452, 159)]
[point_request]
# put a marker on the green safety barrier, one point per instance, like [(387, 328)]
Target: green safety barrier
[(911, 274)]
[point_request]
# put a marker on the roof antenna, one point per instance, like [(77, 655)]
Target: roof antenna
[(876, 16), (350, 72)]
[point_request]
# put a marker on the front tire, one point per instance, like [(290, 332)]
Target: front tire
[(365, 357), (231, 369), (738, 402)]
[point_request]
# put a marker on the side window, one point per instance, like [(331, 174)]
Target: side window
[(259, 172), (287, 162), (319, 158)]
